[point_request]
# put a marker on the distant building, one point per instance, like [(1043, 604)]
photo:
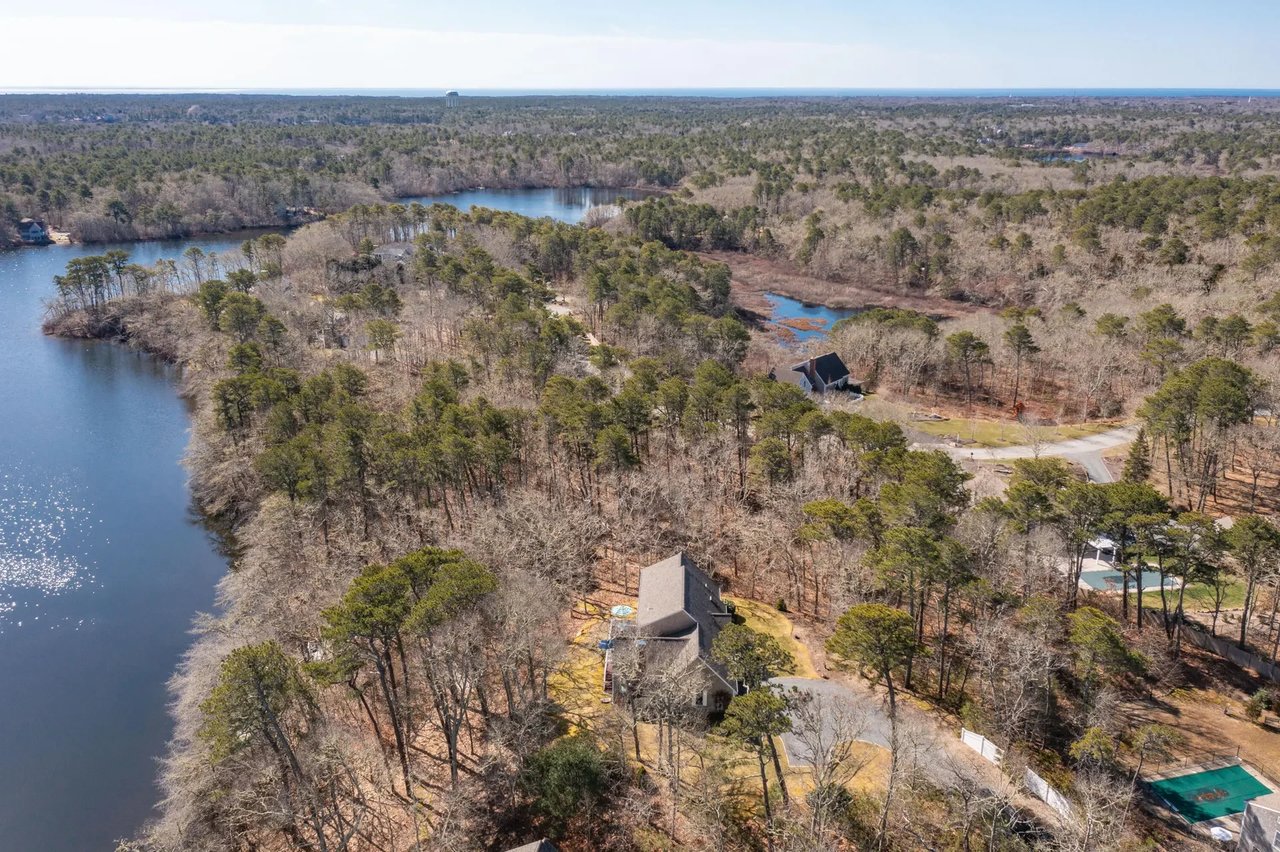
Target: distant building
[(33, 232), (452, 99), (680, 615), (818, 375)]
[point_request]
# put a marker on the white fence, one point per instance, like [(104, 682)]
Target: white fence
[(982, 745), (1050, 796)]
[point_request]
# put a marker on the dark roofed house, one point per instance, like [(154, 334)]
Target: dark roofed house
[(680, 614), (818, 375)]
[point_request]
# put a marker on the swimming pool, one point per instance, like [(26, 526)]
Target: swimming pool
[(1111, 581), (1210, 794)]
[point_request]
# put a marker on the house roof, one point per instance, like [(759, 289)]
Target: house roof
[(543, 845), (829, 367), (676, 595), (680, 612), (791, 376)]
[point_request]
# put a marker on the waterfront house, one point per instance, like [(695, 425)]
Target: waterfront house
[(680, 614), (33, 232), (818, 375)]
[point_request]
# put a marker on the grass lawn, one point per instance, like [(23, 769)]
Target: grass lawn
[(578, 685), (994, 434), (768, 620), (1199, 597), (984, 432)]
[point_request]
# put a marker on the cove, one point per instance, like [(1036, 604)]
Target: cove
[(103, 564), (804, 321)]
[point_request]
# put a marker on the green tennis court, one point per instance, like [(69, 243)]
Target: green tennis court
[(1210, 794)]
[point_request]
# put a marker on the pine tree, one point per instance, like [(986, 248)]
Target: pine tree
[(1137, 467)]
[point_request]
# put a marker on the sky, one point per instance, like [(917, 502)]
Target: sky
[(611, 44)]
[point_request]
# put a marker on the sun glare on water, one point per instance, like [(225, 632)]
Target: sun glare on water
[(40, 527)]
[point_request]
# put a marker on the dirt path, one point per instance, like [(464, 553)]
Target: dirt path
[(754, 276)]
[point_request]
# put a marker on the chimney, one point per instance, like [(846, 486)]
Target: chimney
[(813, 369)]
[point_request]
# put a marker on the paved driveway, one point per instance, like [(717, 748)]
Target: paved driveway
[(875, 721)]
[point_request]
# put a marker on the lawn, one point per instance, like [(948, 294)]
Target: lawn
[(983, 432), (1199, 597), (768, 620), (578, 685), (993, 434)]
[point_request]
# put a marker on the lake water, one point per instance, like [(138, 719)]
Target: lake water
[(103, 561), (804, 322), (567, 205), (102, 567)]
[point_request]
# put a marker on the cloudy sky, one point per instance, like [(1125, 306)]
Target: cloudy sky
[(524, 44)]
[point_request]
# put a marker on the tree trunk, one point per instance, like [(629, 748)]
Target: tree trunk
[(764, 789), (777, 767)]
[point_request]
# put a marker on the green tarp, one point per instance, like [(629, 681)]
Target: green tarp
[(1210, 794)]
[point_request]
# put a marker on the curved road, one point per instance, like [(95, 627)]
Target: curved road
[(1087, 451)]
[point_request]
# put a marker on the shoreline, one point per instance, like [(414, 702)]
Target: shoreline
[(314, 215), (752, 277)]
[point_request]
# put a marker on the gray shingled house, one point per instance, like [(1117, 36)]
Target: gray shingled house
[(680, 614)]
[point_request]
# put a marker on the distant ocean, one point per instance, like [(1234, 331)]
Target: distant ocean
[(703, 93)]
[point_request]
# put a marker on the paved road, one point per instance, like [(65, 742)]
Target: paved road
[(1091, 444), (935, 752), (1087, 452), (1093, 465)]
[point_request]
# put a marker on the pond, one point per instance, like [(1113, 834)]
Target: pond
[(103, 565), (564, 204), (804, 322)]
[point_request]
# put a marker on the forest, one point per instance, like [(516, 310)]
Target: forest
[(445, 443)]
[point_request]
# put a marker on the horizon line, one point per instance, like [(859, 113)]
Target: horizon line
[(657, 91)]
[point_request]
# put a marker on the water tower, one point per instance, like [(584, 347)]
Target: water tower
[(452, 99)]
